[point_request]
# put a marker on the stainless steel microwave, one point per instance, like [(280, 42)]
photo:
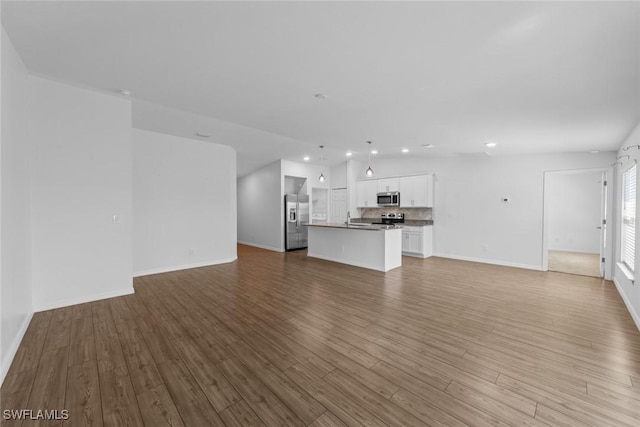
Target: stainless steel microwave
[(391, 198)]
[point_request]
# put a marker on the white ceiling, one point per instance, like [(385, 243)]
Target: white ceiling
[(532, 76)]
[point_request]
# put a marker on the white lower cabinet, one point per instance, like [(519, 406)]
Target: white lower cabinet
[(417, 241)]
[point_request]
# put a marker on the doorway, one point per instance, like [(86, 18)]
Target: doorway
[(575, 222)]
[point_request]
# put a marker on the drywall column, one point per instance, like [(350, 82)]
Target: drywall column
[(81, 195), (184, 203), (259, 208), (15, 280)]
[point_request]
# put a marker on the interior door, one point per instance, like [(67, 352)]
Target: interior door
[(339, 205), (603, 226)]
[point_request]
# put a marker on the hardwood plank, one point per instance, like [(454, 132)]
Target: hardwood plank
[(83, 395), (82, 348), (191, 402), (59, 331), (263, 402), (583, 410), (292, 395), (425, 411), (49, 385), (384, 409), (372, 380), (157, 408), (119, 404), (490, 405), (213, 383), (81, 310), (140, 365), (343, 406), (108, 347), (555, 418), (240, 415), (17, 382), (14, 401), (327, 420), (436, 398), (295, 351)]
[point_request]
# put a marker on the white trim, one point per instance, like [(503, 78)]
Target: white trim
[(626, 271), (10, 353), (183, 267), (632, 311), (490, 261), (257, 245), (83, 299)]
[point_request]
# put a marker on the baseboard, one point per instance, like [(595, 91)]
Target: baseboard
[(83, 299), (183, 267), (256, 245), (9, 353), (630, 308), (490, 261)]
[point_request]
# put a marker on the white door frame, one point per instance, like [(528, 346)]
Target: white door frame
[(608, 251)]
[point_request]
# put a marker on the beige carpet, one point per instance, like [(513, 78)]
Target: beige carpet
[(575, 263)]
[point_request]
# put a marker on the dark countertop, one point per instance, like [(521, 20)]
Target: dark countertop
[(364, 226), (407, 222)]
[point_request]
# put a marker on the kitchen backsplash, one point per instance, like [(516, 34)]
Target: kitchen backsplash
[(409, 213)]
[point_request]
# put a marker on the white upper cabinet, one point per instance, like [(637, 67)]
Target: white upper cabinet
[(367, 194), (388, 184), (416, 191)]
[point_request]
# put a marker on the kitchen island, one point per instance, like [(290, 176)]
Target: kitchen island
[(378, 247)]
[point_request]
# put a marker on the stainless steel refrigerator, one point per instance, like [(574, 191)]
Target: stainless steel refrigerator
[(296, 212)]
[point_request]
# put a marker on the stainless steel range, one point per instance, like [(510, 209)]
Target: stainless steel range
[(391, 218)]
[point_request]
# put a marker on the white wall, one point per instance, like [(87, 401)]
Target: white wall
[(15, 279), (339, 175), (184, 203), (574, 205), (470, 221), (260, 207), (81, 178), (629, 290)]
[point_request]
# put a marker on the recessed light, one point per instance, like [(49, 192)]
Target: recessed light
[(594, 151), (349, 154), (491, 144), (320, 96), (405, 150), (124, 92), (203, 135), (428, 145), (306, 158)]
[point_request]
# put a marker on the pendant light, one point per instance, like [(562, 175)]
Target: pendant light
[(321, 178), (369, 171)]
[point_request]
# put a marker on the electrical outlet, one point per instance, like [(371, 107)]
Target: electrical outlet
[(485, 248), (191, 252), (115, 219)]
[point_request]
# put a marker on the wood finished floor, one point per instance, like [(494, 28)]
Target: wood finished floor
[(282, 339)]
